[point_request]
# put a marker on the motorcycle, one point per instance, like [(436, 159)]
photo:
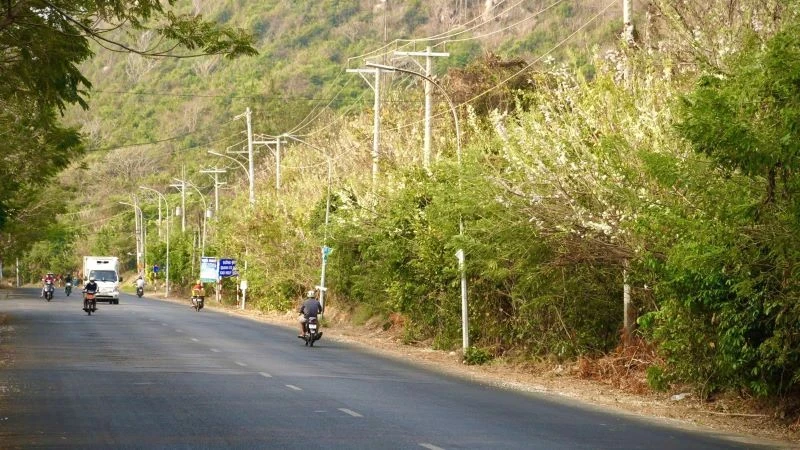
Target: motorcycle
[(48, 290), (197, 302), (311, 332), (139, 291), (89, 302), (68, 288)]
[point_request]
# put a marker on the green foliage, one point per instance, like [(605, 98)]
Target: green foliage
[(475, 356), (656, 379)]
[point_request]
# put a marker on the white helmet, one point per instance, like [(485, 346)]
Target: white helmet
[(311, 294), (91, 278)]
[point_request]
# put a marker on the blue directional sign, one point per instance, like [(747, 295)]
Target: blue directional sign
[(156, 268), (227, 267), (325, 252)]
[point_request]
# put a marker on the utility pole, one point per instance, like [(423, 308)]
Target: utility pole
[(17, 272), (627, 20), (376, 87), (277, 142), (250, 169), (215, 171), (428, 54), (182, 187)]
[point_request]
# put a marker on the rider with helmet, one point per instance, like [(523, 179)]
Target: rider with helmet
[(311, 308), (50, 278), (89, 288)]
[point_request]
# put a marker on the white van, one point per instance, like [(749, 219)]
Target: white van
[(104, 269)]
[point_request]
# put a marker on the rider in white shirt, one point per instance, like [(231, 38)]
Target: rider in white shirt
[(140, 282)]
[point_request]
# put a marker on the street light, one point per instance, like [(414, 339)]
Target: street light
[(246, 170), (327, 216), (206, 214), (141, 260), (161, 197), (460, 252)]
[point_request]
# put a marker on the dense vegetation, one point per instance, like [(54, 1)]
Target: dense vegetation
[(669, 165)]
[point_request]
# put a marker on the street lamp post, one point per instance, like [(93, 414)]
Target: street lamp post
[(246, 170), (141, 244), (206, 214), (460, 253), (325, 249), (161, 197)]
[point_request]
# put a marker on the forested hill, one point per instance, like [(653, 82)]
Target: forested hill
[(304, 49)]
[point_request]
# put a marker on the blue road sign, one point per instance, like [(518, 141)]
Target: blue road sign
[(227, 267), (156, 268)]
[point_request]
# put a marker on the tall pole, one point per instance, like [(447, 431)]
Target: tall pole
[(215, 172), (250, 170), (182, 187), (376, 137), (166, 204), (627, 21), (460, 253), (17, 272), (428, 54)]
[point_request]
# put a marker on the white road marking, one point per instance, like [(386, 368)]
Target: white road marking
[(430, 446), (240, 364), (265, 374), (291, 386), (179, 330), (194, 340), (163, 324), (350, 412), (214, 350)]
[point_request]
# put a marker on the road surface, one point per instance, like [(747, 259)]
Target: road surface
[(153, 374)]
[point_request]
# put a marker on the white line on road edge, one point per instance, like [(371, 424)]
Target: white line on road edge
[(265, 374), (350, 412), (430, 446), (240, 364), (194, 340), (214, 350), (291, 386)]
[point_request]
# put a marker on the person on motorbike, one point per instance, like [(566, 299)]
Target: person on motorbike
[(140, 283), (198, 291), (68, 278), (51, 278), (311, 307), (90, 288)]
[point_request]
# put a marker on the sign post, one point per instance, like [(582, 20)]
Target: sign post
[(226, 267)]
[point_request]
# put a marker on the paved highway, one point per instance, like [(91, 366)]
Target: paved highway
[(152, 374)]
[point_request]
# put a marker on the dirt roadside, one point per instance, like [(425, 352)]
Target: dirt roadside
[(738, 419)]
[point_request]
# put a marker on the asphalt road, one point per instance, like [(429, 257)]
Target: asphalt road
[(152, 374)]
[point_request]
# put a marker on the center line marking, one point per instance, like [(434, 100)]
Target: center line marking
[(214, 350), (291, 386), (350, 412), (194, 339), (430, 446), (240, 364), (265, 374)]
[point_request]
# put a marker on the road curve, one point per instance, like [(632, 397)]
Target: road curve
[(152, 374)]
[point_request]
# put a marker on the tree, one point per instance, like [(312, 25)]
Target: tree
[(42, 44)]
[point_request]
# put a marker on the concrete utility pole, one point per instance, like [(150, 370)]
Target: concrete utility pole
[(162, 197), (376, 136), (428, 54), (277, 142), (215, 171), (250, 168), (627, 20), (182, 187), (17, 272)]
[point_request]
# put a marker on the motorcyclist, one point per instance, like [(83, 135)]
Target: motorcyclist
[(311, 308), (51, 278), (140, 283), (198, 291), (90, 288)]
